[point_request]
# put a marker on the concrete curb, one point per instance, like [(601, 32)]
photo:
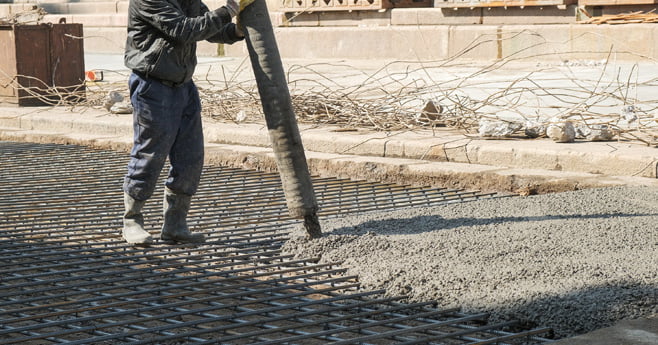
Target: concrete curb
[(446, 159)]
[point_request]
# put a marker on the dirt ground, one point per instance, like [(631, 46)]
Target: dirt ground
[(574, 261)]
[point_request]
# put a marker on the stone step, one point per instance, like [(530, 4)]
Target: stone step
[(83, 7), (62, 7), (411, 37), (400, 34), (80, 7), (91, 20)]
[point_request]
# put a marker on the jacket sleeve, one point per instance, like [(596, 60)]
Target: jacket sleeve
[(226, 35), (174, 24)]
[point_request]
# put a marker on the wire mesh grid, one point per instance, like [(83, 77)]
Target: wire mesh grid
[(69, 278)]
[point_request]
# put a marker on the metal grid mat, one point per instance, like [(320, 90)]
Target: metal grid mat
[(68, 277)]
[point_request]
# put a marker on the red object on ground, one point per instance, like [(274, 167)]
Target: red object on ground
[(94, 75)]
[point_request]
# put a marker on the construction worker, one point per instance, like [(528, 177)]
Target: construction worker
[(161, 52)]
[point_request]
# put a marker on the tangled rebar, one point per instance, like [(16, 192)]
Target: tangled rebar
[(407, 95), (412, 95)]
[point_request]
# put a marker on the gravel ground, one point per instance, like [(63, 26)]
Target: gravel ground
[(574, 261)]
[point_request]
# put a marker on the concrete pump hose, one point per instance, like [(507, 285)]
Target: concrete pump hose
[(279, 115)]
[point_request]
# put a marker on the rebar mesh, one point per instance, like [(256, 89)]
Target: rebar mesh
[(69, 278)]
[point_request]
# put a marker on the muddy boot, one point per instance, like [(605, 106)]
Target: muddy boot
[(133, 222), (174, 229)]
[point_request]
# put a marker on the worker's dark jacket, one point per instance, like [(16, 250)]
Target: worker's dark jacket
[(162, 36)]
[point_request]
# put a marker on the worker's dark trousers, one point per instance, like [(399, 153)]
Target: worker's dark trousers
[(166, 122)]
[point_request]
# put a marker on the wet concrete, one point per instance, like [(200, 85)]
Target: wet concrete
[(575, 261)]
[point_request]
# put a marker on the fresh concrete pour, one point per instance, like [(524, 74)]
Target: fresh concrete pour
[(574, 261)]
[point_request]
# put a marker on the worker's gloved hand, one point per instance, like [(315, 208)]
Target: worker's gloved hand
[(245, 3), (233, 7), (236, 6)]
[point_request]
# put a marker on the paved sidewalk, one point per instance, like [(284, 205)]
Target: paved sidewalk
[(442, 158)]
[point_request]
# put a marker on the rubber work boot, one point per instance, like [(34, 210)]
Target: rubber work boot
[(133, 222), (174, 229)]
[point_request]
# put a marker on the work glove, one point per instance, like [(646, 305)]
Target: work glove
[(245, 3), (234, 6)]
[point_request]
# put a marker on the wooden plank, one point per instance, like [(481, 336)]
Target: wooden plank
[(349, 5), (501, 3), (615, 2), (624, 18)]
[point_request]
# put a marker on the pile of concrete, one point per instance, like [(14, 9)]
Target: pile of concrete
[(560, 131), (116, 103), (575, 261)]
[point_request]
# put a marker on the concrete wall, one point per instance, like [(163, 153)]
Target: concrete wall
[(477, 42), (534, 33)]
